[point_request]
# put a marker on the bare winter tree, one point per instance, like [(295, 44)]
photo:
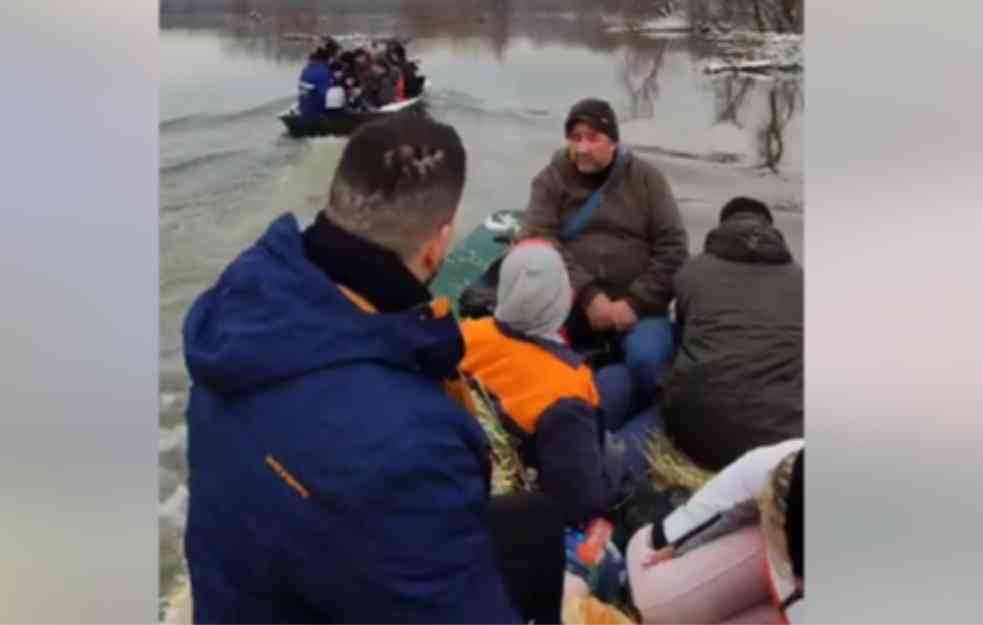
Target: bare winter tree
[(500, 18), (763, 15), (732, 92), (636, 12), (639, 73), (784, 101)]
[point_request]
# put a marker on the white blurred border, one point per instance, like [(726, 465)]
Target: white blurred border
[(894, 342), (78, 268), (894, 304)]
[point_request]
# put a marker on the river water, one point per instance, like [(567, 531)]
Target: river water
[(505, 81)]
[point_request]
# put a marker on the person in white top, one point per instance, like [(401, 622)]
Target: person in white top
[(733, 553), (737, 482)]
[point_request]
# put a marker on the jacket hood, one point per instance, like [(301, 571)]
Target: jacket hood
[(748, 241), (274, 316)]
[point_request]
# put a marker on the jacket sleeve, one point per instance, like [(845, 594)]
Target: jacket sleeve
[(682, 293), (726, 522), (571, 460), (740, 480), (651, 292), (543, 220)]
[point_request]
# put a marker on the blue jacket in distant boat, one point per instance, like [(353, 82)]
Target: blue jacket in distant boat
[(315, 80), (332, 479)]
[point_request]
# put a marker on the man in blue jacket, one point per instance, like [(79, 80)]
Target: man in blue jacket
[(315, 80), (334, 476)]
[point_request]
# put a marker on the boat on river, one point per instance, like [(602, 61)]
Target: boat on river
[(343, 122)]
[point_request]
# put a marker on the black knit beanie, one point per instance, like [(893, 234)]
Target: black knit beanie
[(597, 114), (745, 205)]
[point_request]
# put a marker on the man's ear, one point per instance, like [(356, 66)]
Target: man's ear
[(436, 249)]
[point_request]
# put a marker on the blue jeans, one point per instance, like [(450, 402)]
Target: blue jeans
[(629, 418), (649, 348)]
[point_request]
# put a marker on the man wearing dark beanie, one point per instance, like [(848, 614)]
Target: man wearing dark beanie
[(737, 380), (614, 219)]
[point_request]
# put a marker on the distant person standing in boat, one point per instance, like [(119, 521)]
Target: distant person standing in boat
[(335, 61), (316, 79), (411, 83), (396, 56), (335, 475), (615, 220), (382, 85), (360, 81), (737, 380), (349, 79)]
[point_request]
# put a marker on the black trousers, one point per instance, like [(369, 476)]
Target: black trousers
[(529, 534)]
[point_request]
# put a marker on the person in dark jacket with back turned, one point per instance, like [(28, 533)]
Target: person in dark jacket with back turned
[(335, 476), (736, 382), (623, 251)]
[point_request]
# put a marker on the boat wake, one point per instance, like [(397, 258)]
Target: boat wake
[(199, 161), (457, 101), (185, 123)]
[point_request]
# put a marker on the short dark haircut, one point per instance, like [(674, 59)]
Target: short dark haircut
[(330, 44), (321, 54), (399, 181), (745, 205), (396, 49)]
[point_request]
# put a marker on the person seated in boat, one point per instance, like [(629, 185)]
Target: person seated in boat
[(547, 397), (361, 82), (410, 81), (737, 380), (349, 80), (613, 216), (331, 48), (346, 62), (336, 97), (380, 89), (734, 552), (396, 57), (316, 79), (394, 90), (544, 391), (362, 64), (414, 81), (336, 62), (379, 85)]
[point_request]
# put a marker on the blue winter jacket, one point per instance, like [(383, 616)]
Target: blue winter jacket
[(332, 479), (315, 80)]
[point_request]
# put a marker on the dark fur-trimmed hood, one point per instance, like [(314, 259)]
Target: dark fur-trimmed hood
[(748, 241)]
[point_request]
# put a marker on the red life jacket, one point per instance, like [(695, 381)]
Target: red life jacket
[(401, 88)]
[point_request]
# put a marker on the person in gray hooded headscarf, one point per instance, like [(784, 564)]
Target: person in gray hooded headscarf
[(544, 391), (534, 292)]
